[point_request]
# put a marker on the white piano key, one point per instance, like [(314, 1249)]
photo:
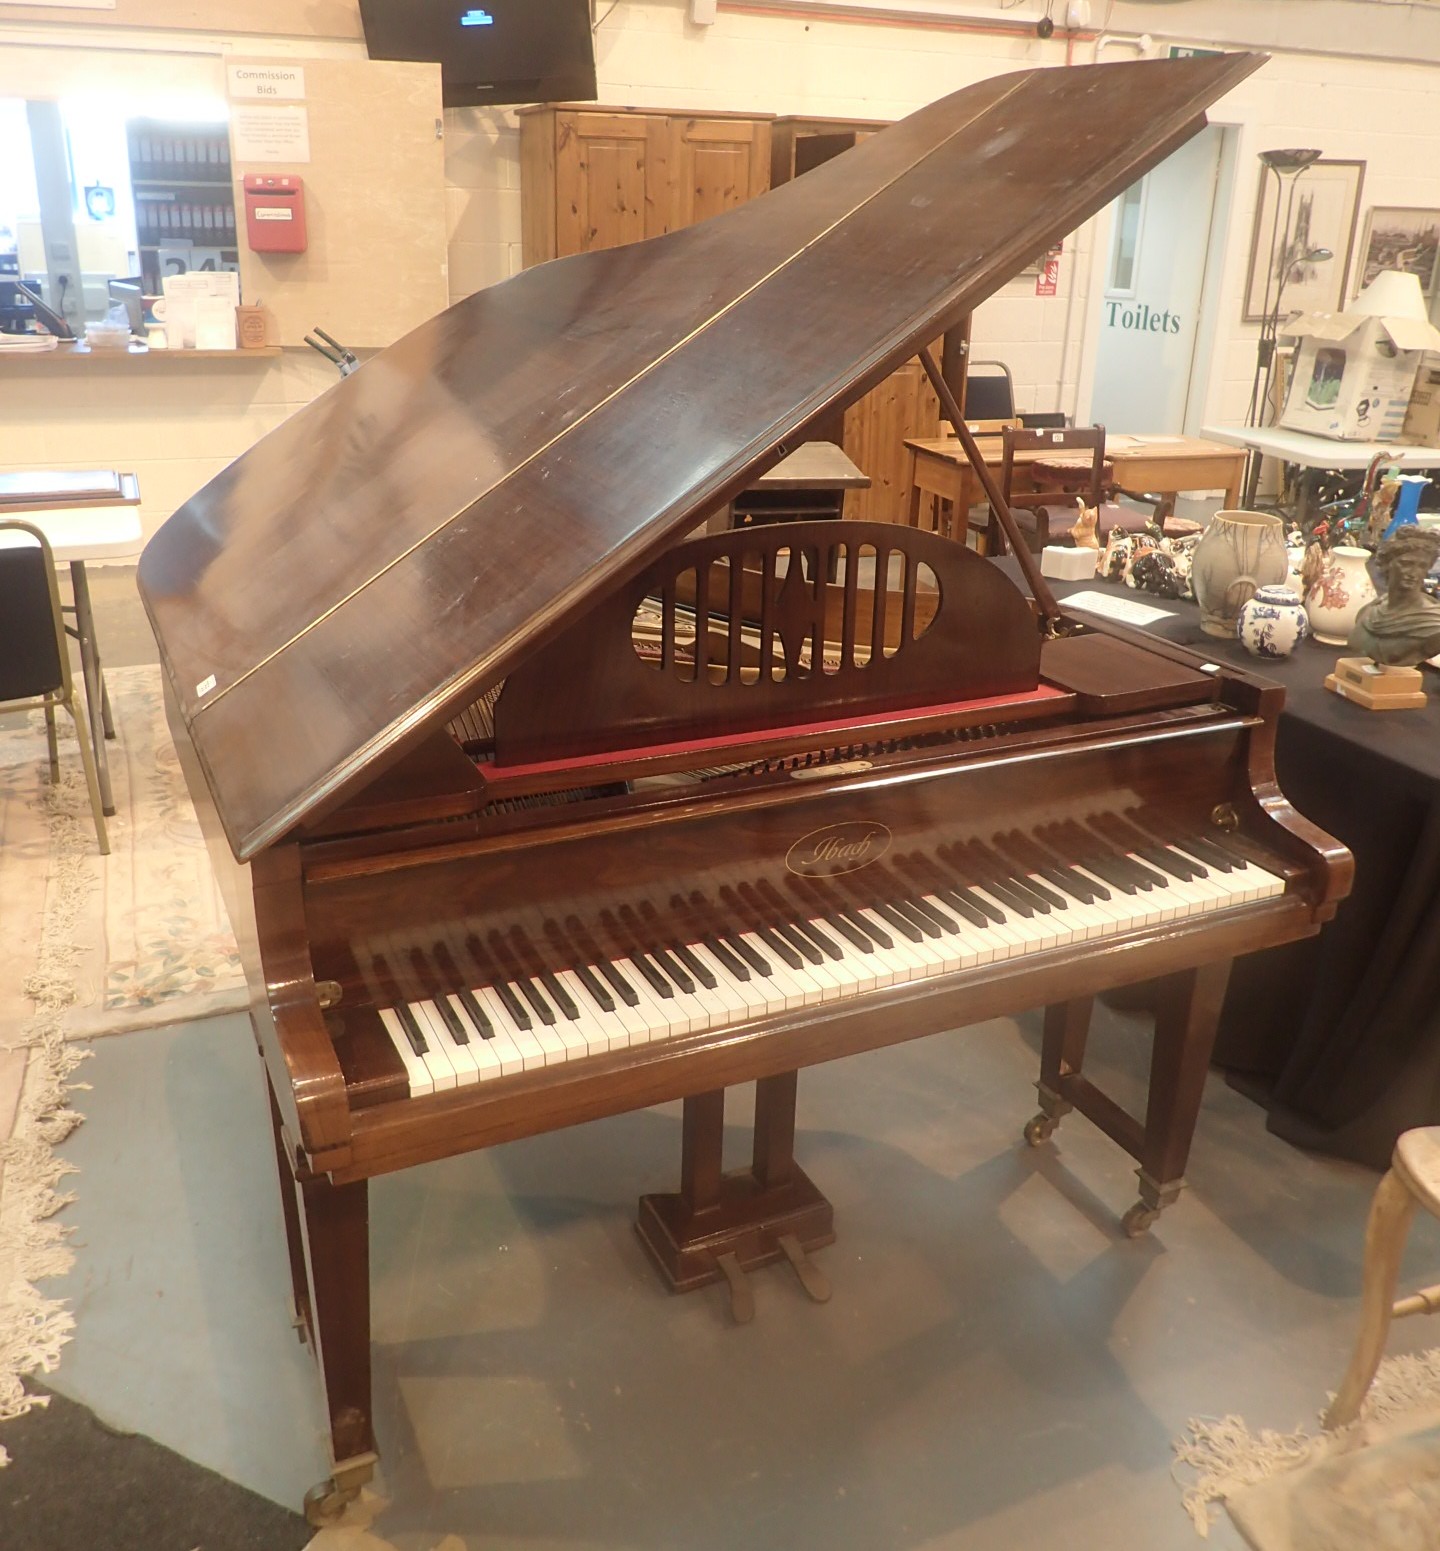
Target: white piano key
[(416, 1072), (437, 1034)]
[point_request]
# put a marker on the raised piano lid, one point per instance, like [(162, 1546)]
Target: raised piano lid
[(395, 547)]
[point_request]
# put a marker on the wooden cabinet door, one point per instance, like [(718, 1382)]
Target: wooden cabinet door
[(874, 440), (609, 180), (714, 165)]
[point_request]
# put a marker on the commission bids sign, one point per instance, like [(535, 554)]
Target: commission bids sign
[(1141, 318)]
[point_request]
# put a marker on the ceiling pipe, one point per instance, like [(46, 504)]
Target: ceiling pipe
[(950, 21)]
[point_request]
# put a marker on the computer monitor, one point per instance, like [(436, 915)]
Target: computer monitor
[(130, 294)]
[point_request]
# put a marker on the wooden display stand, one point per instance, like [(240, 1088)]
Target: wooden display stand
[(1375, 685)]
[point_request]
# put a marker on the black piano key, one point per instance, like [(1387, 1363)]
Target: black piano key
[(851, 931), (989, 910), (412, 1029), (933, 881), (597, 992), (820, 936), (902, 923), (935, 914), (778, 946), (649, 972), (1059, 870), (495, 979), (1018, 882), (751, 955), (476, 1014), (1200, 846), (985, 875), (440, 952), (688, 958), (521, 982), (559, 996), (452, 1020), (511, 1003), (1080, 848), (670, 963), (796, 936), (580, 949), (728, 959), (623, 989)]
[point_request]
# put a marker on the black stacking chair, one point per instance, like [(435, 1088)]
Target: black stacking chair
[(34, 657)]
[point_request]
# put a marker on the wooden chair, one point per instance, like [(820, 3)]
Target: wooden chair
[(1076, 468), (1413, 1180), (34, 656)]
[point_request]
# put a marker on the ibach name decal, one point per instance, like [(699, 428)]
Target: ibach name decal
[(837, 848)]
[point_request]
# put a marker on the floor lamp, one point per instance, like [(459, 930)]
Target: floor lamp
[(1288, 166)]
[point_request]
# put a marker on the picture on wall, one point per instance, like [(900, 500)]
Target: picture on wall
[(1407, 240), (1322, 219)]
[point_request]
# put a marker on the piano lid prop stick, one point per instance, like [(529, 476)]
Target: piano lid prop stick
[(1039, 587)]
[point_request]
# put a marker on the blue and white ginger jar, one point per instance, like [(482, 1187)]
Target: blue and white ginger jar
[(1272, 623)]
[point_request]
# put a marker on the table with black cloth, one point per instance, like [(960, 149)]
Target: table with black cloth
[(1339, 1035)]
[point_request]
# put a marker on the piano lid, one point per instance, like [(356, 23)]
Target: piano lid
[(396, 546)]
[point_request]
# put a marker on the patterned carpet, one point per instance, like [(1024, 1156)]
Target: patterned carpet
[(89, 945), (152, 941)]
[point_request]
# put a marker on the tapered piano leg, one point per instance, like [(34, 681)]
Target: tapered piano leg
[(335, 1229), (721, 1225), (1186, 1019), (1187, 1016)]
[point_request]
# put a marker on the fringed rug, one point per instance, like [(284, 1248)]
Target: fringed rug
[(1373, 1486), (88, 945), (152, 941)]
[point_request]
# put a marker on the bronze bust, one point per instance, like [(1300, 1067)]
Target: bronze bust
[(1402, 627)]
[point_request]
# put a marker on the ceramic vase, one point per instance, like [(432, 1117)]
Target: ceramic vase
[(1272, 623), (1237, 553), (1341, 590)]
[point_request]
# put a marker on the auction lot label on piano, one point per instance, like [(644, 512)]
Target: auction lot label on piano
[(837, 848)]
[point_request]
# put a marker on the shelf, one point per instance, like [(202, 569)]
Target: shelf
[(76, 352)]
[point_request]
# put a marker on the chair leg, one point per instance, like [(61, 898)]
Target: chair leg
[(53, 741), (1390, 1215), (92, 778)]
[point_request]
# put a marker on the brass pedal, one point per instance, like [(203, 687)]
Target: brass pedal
[(812, 1278), (742, 1295)]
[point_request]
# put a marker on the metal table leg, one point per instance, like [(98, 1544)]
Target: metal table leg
[(96, 702)]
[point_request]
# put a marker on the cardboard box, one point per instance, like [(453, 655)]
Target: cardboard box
[(1354, 370), (1422, 418)]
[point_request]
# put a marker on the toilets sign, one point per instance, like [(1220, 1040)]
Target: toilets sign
[(1141, 318)]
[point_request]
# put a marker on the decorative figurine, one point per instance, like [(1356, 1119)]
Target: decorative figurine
[(1396, 631), (1402, 627), (1083, 533)]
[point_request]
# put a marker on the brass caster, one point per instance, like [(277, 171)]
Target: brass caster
[(1139, 1220), (1040, 1129), (812, 1278), (327, 1500), (742, 1295)]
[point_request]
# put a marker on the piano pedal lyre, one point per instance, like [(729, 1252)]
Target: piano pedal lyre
[(718, 1226)]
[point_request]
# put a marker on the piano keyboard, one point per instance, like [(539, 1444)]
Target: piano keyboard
[(746, 953)]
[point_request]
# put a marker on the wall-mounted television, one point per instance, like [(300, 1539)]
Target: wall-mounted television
[(501, 51)]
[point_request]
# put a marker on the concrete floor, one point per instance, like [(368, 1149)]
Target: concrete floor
[(999, 1367)]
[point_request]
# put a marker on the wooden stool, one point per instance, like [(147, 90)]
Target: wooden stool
[(1413, 1180)]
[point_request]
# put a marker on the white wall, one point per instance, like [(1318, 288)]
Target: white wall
[(649, 54)]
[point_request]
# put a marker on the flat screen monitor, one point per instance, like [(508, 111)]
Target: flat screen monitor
[(503, 51)]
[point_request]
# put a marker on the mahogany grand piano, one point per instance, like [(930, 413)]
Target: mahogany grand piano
[(531, 809)]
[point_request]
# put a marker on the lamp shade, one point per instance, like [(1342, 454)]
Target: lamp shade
[(1290, 159), (1392, 294)]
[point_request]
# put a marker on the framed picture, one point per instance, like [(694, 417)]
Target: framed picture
[(1404, 239), (1322, 218)]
